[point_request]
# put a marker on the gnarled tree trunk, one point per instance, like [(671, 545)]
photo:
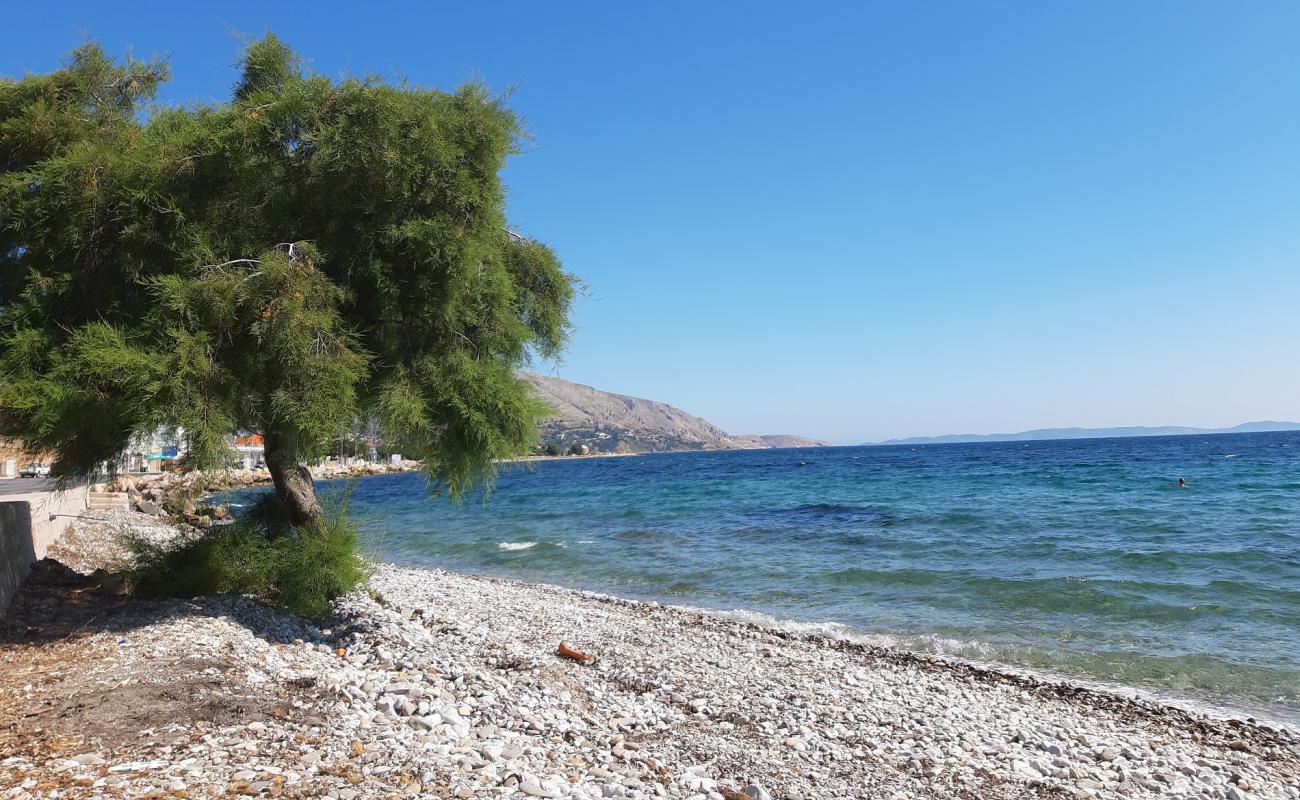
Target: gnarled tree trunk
[(293, 482)]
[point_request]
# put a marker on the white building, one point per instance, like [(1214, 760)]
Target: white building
[(251, 449)]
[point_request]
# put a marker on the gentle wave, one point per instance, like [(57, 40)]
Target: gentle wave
[(832, 511), (985, 654), (516, 545)]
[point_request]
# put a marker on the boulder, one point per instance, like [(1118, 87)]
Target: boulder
[(147, 507)]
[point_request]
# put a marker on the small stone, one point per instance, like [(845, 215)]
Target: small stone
[(1025, 768), (531, 787)]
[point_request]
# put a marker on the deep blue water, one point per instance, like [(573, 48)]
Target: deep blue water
[(1080, 558)]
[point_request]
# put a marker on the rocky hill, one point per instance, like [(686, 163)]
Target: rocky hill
[(617, 423), (1044, 434), (777, 440)]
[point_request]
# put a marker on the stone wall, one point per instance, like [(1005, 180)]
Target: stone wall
[(17, 553)]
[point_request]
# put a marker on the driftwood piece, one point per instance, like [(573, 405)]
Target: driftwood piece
[(574, 655)]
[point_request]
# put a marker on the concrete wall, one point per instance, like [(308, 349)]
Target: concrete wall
[(47, 503), (46, 530), (17, 553), (27, 530)]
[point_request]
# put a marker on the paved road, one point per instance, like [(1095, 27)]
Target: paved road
[(25, 486)]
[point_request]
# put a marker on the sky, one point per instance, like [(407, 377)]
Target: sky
[(858, 221)]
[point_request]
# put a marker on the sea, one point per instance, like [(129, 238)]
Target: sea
[(1080, 559)]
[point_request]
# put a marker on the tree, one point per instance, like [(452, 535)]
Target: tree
[(307, 253)]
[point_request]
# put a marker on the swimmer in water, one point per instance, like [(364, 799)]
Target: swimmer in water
[(1182, 483)]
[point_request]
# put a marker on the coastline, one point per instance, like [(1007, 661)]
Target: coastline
[(1219, 710), (165, 489), (440, 684), (838, 636), (588, 456)]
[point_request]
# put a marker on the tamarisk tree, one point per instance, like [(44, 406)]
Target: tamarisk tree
[(310, 251)]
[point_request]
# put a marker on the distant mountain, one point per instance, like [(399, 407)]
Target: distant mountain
[(617, 423), (782, 440), (1093, 433)]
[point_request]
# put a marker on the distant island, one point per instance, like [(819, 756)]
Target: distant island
[(1041, 434), (617, 423)]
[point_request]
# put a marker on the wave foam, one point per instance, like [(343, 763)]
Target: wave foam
[(917, 643), (989, 656), (516, 545)]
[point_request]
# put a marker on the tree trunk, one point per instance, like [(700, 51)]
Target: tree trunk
[(293, 482)]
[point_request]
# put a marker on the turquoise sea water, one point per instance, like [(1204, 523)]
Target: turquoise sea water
[(1078, 558)]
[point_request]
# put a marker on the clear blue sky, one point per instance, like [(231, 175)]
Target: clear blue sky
[(858, 221)]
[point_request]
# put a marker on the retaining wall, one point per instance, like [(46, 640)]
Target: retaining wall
[(29, 523), (17, 550)]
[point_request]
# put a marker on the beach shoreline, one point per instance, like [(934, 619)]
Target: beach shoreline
[(441, 684), (837, 634)]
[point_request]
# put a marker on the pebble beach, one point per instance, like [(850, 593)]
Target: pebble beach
[(436, 684)]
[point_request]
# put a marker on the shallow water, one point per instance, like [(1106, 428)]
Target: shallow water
[(1080, 558)]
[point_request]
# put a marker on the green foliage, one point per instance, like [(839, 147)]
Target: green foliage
[(302, 569), (552, 449), (44, 115), (309, 252), (268, 64), (575, 449)]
